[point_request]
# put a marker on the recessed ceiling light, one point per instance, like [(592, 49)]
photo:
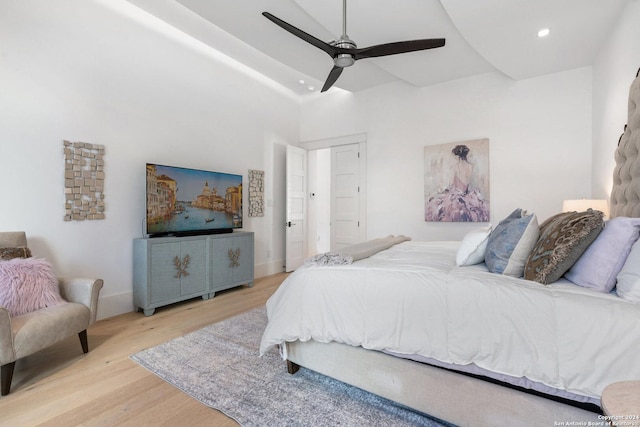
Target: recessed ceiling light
[(544, 32), (301, 81), (311, 88)]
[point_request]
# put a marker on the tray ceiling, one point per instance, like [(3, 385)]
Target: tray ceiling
[(481, 36)]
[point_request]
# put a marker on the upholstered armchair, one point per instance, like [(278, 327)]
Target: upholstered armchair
[(28, 333)]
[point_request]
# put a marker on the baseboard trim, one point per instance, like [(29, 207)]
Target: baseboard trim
[(113, 305), (268, 268)]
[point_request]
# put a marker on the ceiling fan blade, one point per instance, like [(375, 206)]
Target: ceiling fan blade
[(301, 34), (331, 79), (396, 48)]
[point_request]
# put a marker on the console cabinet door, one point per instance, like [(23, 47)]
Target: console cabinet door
[(194, 274), (243, 271), (232, 261), (178, 269), (165, 285)]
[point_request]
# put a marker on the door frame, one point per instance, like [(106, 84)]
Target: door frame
[(318, 144)]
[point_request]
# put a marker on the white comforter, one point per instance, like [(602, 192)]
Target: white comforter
[(412, 299)]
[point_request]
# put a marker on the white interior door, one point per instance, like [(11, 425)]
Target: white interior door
[(296, 227), (347, 195)]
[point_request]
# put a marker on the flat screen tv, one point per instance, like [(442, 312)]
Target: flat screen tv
[(186, 202)]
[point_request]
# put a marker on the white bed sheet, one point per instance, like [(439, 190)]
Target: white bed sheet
[(412, 299)]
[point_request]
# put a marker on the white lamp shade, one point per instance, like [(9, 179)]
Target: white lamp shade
[(582, 205)]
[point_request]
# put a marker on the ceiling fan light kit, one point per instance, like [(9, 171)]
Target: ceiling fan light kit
[(344, 59), (345, 52)]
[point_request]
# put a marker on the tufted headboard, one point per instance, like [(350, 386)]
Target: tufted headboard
[(625, 194)]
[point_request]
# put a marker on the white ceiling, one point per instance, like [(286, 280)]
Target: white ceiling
[(481, 36)]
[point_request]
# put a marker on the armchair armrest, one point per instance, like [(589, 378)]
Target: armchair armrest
[(6, 338), (83, 291)]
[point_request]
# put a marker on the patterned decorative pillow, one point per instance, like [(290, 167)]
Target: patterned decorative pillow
[(599, 265), (27, 284), (511, 242), (15, 252), (563, 239)]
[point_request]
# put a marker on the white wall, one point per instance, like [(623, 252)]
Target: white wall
[(539, 131), (613, 71), (87, 70)]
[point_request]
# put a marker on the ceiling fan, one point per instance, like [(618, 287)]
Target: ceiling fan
[(345, 52)]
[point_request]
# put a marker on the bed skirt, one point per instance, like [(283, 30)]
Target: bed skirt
[(447, 395)]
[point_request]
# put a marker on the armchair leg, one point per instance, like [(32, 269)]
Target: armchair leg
[(7, 375), (84, 342), (6, 371)]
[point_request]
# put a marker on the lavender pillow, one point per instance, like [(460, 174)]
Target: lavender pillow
[(628, 284), (599, 265), (26, 285)]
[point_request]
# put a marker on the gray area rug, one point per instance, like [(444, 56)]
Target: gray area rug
[(219, 365)]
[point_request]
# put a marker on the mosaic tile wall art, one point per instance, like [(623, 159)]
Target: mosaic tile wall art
[(83, 181)]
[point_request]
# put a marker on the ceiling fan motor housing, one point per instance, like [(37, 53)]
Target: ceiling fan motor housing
[(343, 60)]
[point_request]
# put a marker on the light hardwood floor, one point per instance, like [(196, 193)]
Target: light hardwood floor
[(61, 386)]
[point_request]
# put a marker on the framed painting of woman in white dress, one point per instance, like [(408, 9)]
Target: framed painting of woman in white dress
[(456, 182)]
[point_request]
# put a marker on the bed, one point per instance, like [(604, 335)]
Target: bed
[(463, 337)]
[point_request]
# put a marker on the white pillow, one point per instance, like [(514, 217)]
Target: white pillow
[(628, 285), (473, 246)]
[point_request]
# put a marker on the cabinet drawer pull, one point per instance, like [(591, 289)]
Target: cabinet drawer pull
[(181, 266), (234, 258)]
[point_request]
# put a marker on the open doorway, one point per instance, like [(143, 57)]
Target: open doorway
[(337, 197), (332, 202)]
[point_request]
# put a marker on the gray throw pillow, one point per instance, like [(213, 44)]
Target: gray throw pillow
[(14, 252), (510, 243)]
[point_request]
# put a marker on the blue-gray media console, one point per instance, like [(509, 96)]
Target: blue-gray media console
[(171, 269)]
